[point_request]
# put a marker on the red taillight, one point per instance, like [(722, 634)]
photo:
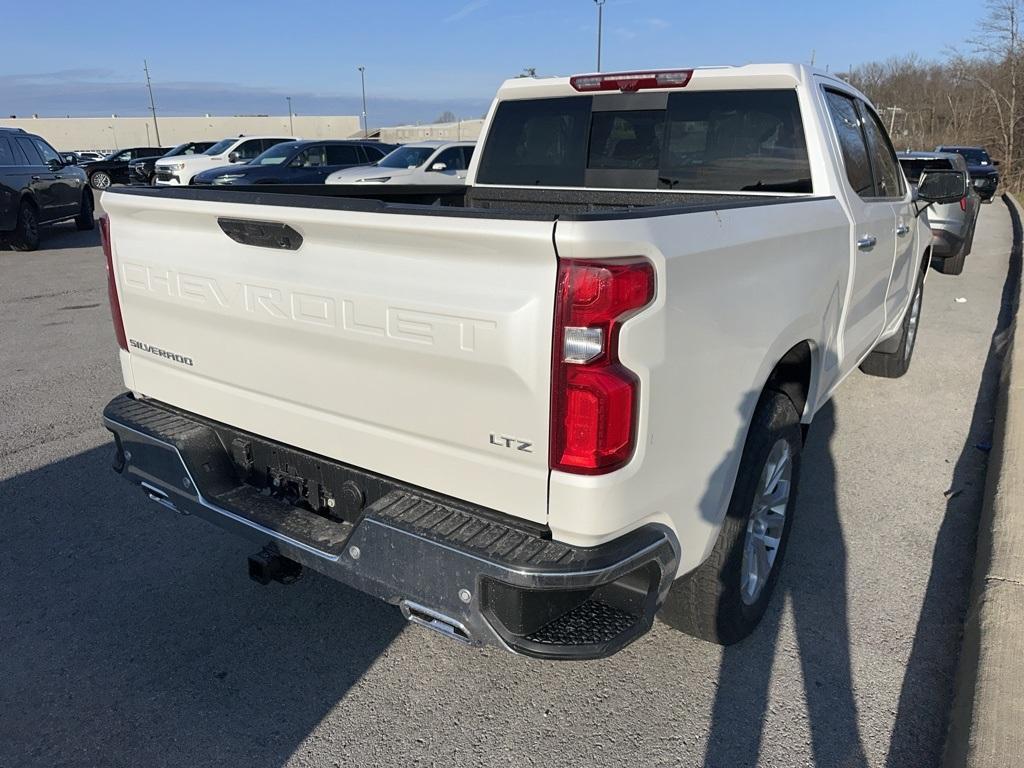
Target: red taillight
[(115, 303), (594, 398), (631, 81), (963, 203)]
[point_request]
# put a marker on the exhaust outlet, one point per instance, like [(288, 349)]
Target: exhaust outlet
[(425, 617)]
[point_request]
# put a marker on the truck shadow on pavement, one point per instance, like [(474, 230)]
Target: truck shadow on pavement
[(131, 637), (819, 604)]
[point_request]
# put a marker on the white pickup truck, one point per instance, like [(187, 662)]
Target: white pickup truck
[(540, 409)]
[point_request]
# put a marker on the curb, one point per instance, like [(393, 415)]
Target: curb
[(986, 728)]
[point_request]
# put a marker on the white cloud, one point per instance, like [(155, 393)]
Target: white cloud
[(471, 7)]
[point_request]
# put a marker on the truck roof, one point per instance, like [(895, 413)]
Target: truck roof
[(704, 78)]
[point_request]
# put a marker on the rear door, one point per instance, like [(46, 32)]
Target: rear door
[(415, 346), (873, 234)]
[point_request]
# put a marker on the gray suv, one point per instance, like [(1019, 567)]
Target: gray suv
[(952, 224)]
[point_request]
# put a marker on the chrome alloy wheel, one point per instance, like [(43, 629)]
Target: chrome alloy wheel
[(767, 522), (99, 180)]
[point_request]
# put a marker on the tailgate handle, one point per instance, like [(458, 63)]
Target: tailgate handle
[(263, 234)]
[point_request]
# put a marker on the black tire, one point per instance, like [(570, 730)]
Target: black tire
[(86, 220), (26, 233), (954, 265), (709, 602), (100, 180), (891, 358)]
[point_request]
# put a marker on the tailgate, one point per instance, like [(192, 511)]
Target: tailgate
[(413, 345)]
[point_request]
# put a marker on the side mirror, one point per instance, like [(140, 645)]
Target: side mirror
[(234, 157), (439, 167), (942, 186), (54, 164)]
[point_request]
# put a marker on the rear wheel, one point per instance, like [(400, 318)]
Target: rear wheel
[(725, 597), (26, 234), (891, 358), (99, 180), (85, 220)]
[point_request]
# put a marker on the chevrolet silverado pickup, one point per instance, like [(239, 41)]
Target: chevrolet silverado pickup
[(541, 409)]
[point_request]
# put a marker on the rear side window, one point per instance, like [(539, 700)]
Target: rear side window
[(851, 141), (6, 153), (715, 140), (915, 167), (343, 154)]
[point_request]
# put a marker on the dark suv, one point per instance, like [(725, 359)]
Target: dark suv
[(981, 167), (113, 169), (37, 188)]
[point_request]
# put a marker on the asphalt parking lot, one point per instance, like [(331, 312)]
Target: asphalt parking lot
[(132, 636)]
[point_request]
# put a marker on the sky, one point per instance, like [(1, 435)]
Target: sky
[(421, 58)]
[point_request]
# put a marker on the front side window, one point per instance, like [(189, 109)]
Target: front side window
[(48, 153), (275, 155), (851, 141), (730, 141), (249, 150), (219, 147), (407, 157), (29, 153), (887, 174), (310, 157), (453, 159)]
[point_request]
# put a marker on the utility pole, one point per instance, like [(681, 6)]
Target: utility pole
[(152, 104), (291, 127), (362, 80), (812, 56), (600, 20)]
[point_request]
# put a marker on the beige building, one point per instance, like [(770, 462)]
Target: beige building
[(110, 133), (460, 130)]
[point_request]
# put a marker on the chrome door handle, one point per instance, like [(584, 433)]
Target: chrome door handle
[(902, 229), (36, 178), (867, 242)]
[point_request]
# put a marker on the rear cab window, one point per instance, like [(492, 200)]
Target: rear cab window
[(914, 167), (723, 141)]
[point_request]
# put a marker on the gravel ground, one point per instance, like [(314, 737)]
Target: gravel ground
[(132, 636)]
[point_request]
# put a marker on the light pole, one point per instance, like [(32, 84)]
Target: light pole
[(152, 104), (600, 20), (362, 80), (291, 127)]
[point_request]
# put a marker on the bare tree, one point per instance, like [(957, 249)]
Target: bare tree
[(446, 117)]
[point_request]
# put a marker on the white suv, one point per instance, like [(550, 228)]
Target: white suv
[(241, 149), (425, 162)]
